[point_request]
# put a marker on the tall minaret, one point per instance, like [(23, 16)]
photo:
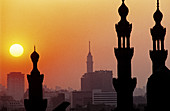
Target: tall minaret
[(35, 101), (124, 84), (158, 55), (89, 61), (158, 92)]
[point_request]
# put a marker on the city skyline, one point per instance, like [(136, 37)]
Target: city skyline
[(71, 48)]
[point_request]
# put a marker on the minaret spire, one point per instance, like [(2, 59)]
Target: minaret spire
[(157, 92), (124, 84), (35, 80), (157, 4), (158, 36), (34, 48)]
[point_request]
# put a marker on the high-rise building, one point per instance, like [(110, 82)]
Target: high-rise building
[(97, 80), (15, 85), (89, 61), (91, 81), (158, 92), (124, 84)]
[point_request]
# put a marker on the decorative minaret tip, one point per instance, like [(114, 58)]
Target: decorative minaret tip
[(34, 48), (123, 28), (158, 55), (157, 4), (35, 58)]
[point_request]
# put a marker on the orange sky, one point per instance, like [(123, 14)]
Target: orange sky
[(61, 29)]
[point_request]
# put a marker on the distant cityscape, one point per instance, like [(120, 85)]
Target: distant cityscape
[(96, 92), (100, 91)]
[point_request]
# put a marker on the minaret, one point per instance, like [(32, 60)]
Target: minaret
[(35, 101), (89, 61), (158, 92), (158, 55), (124, 84)]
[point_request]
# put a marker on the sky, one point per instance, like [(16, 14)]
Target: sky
[(62, 29)]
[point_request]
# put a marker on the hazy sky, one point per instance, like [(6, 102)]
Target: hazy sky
[(61, 29)]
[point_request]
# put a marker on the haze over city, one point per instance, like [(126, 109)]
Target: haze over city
[(61, 31)]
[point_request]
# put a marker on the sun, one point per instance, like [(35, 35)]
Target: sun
[(16, 50)]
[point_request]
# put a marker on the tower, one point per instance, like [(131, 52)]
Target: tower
[(35, 101), (89, 61), (124, 84), (158, 55), (158, 92)]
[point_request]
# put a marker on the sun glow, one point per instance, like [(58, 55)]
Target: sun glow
[(16, 50)]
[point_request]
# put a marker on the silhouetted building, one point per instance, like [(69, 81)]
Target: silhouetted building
[(158, 93), (89, 61), (97, 80), (3, 90), (81, 98), (94, 107), (106, 98), (91, 81), (10, 104), (15, 85), (54, 101), (124, 84), (35, 101)]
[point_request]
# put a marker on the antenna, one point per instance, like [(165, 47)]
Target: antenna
[(89, 46)]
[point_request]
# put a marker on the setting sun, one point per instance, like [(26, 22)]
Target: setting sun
[(16, 50)]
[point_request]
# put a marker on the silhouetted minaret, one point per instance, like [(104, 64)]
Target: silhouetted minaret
[(35, 101), (158, 92), (124, 84), (89, 61), (158, 55)]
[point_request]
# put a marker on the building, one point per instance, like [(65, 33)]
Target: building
[(10, 104), (97, 80), (106, 98), (81, 98), (90, 82), (158, 92), (124, 84), (16, 85)]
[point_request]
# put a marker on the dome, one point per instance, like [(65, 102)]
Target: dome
[(34, 56), (123, 10), (158, 16)]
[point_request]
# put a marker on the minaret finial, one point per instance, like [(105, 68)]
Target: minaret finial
[(123, 1), (157, 4), (34, 48), (89, 46)]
